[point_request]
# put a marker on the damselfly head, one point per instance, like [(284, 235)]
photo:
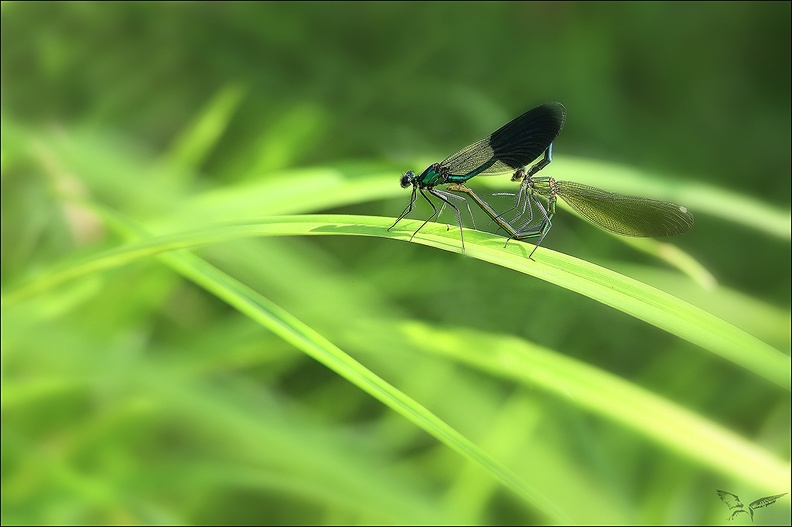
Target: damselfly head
[(407, 179)]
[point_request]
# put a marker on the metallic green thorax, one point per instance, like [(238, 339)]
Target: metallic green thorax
[(436, 174)]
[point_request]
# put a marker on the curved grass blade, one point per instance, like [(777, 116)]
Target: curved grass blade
[(304, 338), (625, 294), (663, 422)]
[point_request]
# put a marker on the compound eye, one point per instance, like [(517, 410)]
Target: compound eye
[(407, 179)]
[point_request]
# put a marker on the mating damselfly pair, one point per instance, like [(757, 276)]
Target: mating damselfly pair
[(511, 148)]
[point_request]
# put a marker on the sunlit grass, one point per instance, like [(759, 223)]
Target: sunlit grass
[(205, 318)]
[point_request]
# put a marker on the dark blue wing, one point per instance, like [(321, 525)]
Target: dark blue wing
[(512, 146)]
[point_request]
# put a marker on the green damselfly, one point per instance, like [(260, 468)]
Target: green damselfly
[(508, 149)]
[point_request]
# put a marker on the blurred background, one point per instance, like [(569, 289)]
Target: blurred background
[(136, 397)]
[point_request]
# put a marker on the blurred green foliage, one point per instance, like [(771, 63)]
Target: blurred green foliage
[(136, 396)]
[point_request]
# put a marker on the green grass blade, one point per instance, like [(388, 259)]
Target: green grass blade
[(271, 316), (595, 390), (304, 338), (191, 148), (675, 257), (630, 296)]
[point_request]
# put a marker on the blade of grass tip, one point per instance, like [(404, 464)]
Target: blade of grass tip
[(675, 257), (664, 251), (196, 142), (303, 337)]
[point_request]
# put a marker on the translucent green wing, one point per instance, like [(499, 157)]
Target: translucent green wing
[(626, 215)]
